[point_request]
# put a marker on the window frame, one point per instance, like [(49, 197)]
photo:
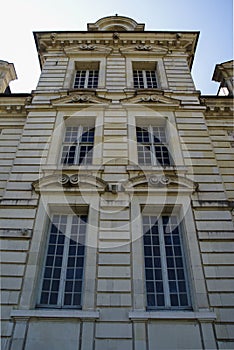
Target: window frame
[(152, 144), (61, 290), (145, 81), (87, 79), (165, 280), (77, 160)]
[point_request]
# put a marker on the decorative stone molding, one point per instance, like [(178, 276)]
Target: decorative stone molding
[(64, 181), (156, 180), (144, 47), (168, 182), (75, 97), (87, 47), (157, 97)]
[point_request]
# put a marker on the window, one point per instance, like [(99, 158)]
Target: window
[(144, 79), (63, 270), (145, 75), (86, 75), (152, 146), (166, 283), (78, 145), (86, 79)]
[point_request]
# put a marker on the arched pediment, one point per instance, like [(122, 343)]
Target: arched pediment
[(172, 183), (64, 182), (110, 23)]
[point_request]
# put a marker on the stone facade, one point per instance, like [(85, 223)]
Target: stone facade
[(144, 84)]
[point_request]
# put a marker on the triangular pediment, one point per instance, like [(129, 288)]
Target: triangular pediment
[(152, 97), (79, 98)]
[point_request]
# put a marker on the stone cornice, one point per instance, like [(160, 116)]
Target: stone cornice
[(141, 42)]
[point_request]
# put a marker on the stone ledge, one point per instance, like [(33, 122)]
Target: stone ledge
[(205, 316), (54, 314)]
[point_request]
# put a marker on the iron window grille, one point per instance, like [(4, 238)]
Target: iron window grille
[(152, 146), (165, 275), (86, 79), (145, 79), (78, 145), (64, 264)]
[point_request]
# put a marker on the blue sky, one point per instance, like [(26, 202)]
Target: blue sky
[(213, 18)]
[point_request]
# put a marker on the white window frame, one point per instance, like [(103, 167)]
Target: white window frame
[(78, 145), (152, 145), (136, 76), (64, 267), (88, 78), (165, 281)]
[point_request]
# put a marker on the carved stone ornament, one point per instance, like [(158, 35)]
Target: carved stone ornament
[(80, 98), (156, 180), (144, 47), (151, 98), (87, 47)]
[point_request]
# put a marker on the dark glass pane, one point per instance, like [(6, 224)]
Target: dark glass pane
[(67, 299), (155, 240), (55, 285), (157, 262), (171, 274), (77, 299), (56, 273), (80, 250), (79, 273), (179, 262), (182, 286), (68, 286), (180, 274), (156, 251), (150, 300), (148, 262), (78, 286), (44, 298), (148, 250), (147, 240), (150, 286), (174, 300), (158, 274), (53, 298), (172, 287), (58, 261), (46, 285), (48, 272), (71, 262), (149, 274), (51, 249), (183, 300), (159, 287), (160, 300), (70, 274)]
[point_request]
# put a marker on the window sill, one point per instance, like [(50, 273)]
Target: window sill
[(179, 169), (60, 167), (205, 316), (43, 313)]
